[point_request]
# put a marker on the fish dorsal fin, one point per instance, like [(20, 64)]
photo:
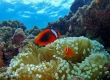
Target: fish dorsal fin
[(55, 33)]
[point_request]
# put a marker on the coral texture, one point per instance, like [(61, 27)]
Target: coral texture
[(92, 21), (1, 61), (12, 34), (18, 36), (49, 62), (79, 3)]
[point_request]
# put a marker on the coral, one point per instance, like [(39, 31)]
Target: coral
[(5, 23), (12, 48), (14, 24), (3, 66), (62, 23), (6, 33), (92, 21), (9, 51), (12, 42), (79, 3), (49, 62), (7, 29), (1, 61), (97, 20), (18, 36), (1, 54), (18, 24), (34, 31), (12, 34)]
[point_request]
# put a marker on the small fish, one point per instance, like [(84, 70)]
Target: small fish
[(68, 52), (97, 1), (47, 36)]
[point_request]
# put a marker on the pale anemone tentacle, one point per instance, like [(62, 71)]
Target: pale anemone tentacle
[(49, 63)]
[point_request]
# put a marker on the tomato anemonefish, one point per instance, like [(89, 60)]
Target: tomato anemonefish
[(47, 36), (68, 52)]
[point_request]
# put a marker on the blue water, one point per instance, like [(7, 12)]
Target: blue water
[(34, 13)]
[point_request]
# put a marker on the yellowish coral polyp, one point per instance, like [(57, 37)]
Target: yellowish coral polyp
[(49, 63)]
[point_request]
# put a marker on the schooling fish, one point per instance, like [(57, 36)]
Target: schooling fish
[(68, 52), (47, 36)]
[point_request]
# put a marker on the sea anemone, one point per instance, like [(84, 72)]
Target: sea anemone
[(49, 63)]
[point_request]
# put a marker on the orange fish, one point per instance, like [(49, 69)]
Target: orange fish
[(47, 36), (97, 1), (68, 52)]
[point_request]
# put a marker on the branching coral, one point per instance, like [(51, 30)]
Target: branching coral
[(49, 62)]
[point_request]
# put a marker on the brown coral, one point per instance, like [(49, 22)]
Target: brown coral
[(1, 55), (18, 37), (92, 21)]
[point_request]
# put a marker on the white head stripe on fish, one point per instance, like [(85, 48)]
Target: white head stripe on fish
[(54, 32), (67, 49)]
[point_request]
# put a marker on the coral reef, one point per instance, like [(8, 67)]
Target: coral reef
[(60, 24), (8, 28), (35, 31), (98, 20), (79, 3), (91, 61), (13, 24), (1, 55), (49, 62), (6, 33), (12, 40), (92, 21), (18, 37), (12, 34)]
